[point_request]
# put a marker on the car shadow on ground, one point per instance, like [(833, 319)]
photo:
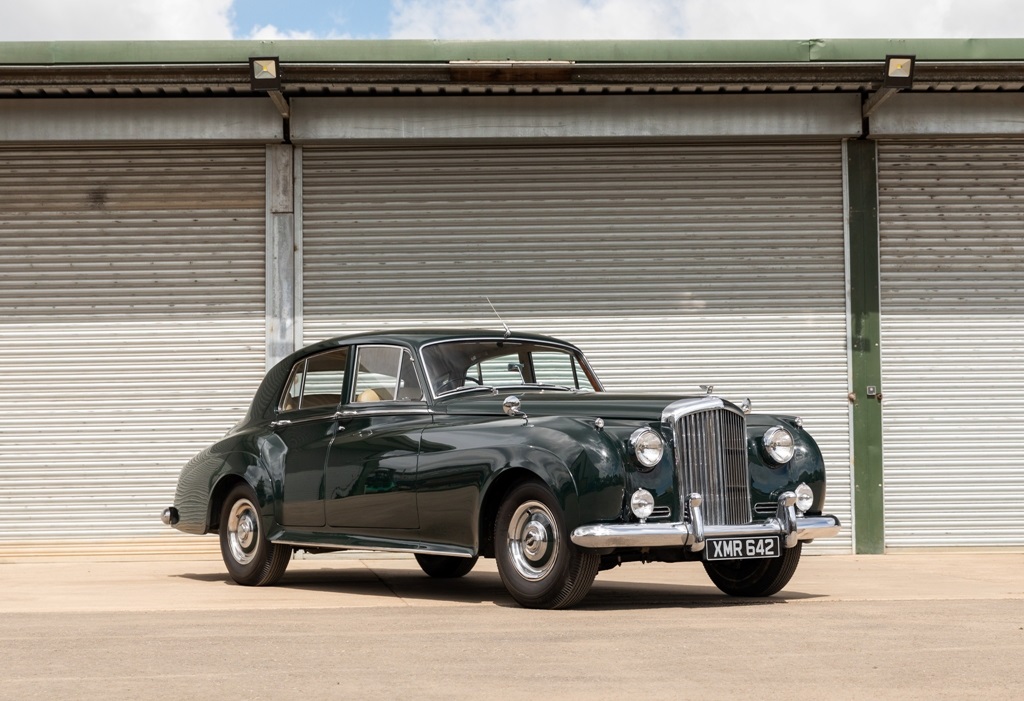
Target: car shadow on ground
[(486, 588)]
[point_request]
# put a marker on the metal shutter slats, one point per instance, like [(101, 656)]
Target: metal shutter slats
[(952, 260), (671, 265), (132, 318)]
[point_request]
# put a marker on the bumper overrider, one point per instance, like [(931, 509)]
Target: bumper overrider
[(787, 523)]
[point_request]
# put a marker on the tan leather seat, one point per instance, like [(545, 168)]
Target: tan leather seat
[(368, 395)]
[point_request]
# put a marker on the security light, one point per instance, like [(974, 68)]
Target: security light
[(265, 73), (899, 72)]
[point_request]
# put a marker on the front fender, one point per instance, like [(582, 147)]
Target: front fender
[(580, 464), (769, 480)]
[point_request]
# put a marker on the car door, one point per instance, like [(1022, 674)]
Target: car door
[(306, 425), (372, 461)]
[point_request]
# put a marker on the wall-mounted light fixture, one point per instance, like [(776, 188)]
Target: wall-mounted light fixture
[(898, 75), (899, 72), (265, 76), (265, 73)]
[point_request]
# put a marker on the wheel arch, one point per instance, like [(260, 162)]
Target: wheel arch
[(559, 481), (241, 468)]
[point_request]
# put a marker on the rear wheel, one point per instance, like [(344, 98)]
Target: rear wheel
[(251, 559), (539, 565), (444, 567), (754, 577)]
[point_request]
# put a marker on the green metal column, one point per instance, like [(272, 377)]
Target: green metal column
[(868, 496)]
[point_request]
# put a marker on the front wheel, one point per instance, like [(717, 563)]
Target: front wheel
[(539, 566), (754, 577), (251, 559)]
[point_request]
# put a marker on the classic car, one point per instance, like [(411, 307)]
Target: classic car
[(455, 445)]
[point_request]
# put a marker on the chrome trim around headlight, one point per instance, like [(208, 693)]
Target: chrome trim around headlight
[(646, 434), (774, 444)]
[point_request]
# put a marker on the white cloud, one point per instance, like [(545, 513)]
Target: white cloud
[(269, 33), (64, 20), (536, 19), (111, 20), (704, 19)]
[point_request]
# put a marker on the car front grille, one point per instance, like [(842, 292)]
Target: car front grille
[(711, 459)]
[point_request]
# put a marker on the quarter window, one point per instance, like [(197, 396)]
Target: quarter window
[(316, 381)]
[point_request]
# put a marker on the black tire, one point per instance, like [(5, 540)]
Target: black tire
[(444, 567), (538, 563), (251, 559), (755, 577)]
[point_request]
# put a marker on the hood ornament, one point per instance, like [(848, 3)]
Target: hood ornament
[(708, 389)]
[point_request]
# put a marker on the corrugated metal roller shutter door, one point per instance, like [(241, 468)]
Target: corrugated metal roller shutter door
[(952, 256), (131, 335), (670, 265)]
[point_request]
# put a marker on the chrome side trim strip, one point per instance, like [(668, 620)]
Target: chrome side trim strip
[(425, 550)]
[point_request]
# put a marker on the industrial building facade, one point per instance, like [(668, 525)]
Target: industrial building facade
[(769, 218)]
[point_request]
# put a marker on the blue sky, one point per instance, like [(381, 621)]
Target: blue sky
[(142, 20), (364, 19)]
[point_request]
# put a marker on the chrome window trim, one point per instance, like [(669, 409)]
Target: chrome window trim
[(305, 363), (404, 350), (390, 408)]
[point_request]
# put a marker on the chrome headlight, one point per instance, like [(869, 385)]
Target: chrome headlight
[(647, 446), (779, 445)]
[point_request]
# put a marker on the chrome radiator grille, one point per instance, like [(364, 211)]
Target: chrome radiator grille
[(711, 457)]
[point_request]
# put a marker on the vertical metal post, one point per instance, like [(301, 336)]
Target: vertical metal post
[(865, 346), (280, 273)]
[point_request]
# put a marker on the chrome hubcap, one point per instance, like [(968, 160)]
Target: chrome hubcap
[(243, 531), (533, 540)]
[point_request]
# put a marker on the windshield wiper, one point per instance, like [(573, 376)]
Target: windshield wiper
[(466, 389)]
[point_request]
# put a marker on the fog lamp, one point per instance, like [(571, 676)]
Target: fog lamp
[(642, 504), (804, 497)]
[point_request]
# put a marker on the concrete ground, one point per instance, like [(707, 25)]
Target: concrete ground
[(898, 626)]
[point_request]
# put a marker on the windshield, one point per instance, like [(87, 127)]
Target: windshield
[(459, 365)]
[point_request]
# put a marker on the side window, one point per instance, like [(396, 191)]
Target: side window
[(556, 369), (316, 381), (503, 370), (385, 374)]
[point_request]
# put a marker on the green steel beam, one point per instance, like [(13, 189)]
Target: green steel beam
[(432, 51), (868, 501)]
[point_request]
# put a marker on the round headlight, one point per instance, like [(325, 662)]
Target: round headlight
[(647, 446), (778, 444), (642, 504), (804, 497)]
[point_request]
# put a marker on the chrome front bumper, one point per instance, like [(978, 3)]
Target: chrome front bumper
[(786, 523)]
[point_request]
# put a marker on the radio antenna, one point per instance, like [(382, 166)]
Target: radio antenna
[(508, 331)]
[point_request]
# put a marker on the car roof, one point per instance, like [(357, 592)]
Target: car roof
[(269, 392), (417, 338)]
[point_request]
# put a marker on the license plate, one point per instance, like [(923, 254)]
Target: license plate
[(741, 548)]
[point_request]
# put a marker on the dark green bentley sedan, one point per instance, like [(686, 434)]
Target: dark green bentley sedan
[(455, 445)]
